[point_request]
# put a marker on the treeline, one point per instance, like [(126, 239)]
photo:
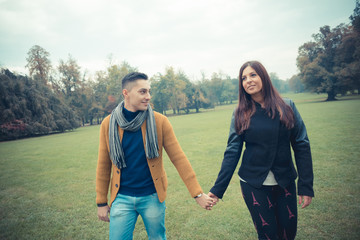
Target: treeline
[(63, 98), (56, 99), (29, 108)]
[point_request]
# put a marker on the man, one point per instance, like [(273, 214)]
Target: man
[(131, 145)]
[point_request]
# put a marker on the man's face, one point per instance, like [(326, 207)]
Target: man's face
[(137, 95)]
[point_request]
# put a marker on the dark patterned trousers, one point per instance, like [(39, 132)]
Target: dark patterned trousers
[(273, 210)]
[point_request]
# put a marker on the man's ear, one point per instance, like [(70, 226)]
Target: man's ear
[(125, 92)]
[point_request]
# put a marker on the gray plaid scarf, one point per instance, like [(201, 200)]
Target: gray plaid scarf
[(117, 118)]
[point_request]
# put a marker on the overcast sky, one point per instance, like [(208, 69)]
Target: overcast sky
[(190, 35)]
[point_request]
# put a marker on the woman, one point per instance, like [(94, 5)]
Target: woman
[(268, 125)]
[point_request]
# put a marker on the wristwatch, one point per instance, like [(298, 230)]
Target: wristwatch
[(198, 195)]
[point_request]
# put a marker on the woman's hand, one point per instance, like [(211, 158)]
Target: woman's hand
[(304, 200)]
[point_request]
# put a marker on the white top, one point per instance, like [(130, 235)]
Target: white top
[(269, 180)]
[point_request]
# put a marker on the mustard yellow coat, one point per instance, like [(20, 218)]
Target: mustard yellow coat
[(107, 173)]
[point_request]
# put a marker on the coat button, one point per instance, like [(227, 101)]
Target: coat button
[(153, 165), (118, 171), (116, 185)]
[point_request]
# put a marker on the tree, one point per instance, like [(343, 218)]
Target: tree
[(100, 96), (331, 64), (107, 89), (115, 73), (230, 90), (199, 99), (38, 63), (175, 86), (276, 82), (69, 76), (87, 105), (348, 54), (281, 85), (216, 88), (70, 79), (188, 92), (317, 62), (355, 17), (204, 86), (160, 93), (168, 90), (295, 84)]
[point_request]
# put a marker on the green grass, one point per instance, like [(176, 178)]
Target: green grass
[(47, 184)]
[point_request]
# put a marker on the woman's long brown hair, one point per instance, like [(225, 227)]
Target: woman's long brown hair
[(273, 103)]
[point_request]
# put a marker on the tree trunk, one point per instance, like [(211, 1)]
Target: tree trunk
[(197, 104), (331, 96)]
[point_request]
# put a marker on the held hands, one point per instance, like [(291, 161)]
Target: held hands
[(214, 197), (103, 213), (205, 201)]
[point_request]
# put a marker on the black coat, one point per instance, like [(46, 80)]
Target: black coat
[(267, 147)]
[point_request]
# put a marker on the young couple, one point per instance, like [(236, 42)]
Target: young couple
[(131, 145)]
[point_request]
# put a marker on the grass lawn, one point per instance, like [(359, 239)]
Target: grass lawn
[(47, 184)]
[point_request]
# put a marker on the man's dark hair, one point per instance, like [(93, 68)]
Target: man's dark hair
[(131, 77)]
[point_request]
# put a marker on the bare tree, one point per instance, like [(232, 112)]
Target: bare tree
[(38, 64)]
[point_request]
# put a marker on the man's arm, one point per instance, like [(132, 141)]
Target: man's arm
[(183, 166), (103, 172)]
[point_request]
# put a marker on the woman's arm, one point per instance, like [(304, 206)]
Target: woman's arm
[(301, 146), (230, 161)]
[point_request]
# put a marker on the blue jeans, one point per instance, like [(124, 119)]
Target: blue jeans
[(125, 211)]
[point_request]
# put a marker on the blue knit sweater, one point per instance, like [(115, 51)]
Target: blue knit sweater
[(135, 179)]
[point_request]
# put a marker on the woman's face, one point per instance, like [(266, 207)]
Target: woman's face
[(251, 82)]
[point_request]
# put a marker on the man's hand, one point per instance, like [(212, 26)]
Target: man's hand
[(306, 199), (205, 201), (103, 213)]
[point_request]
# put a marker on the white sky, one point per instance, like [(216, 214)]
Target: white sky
[(191, 35)]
